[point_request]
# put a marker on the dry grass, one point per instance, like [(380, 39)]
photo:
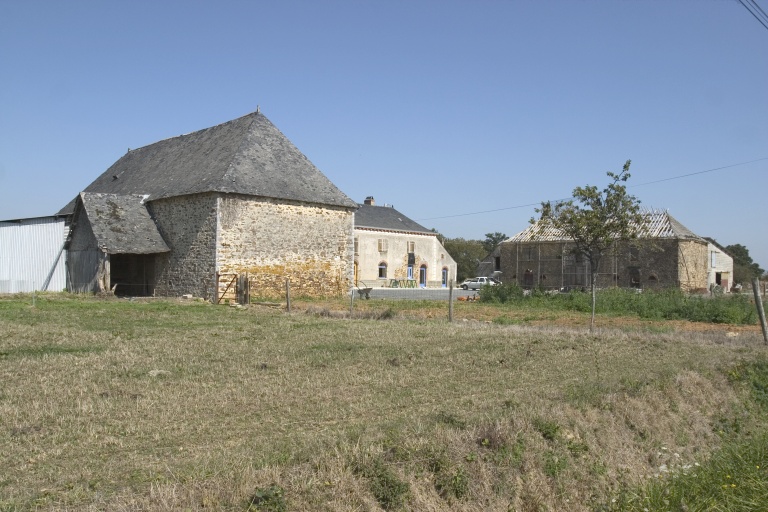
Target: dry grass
[(118, 405)]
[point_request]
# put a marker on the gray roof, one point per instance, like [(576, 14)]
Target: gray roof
[(386, 218), (247, 156), (657, 224), (122, 224)]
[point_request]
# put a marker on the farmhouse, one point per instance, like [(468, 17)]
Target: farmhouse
[(187, 214), (666, 254), (393, 250)]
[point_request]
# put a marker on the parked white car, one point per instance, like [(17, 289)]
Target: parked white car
[(478, 282)]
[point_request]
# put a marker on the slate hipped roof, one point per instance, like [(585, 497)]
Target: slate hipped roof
[(248, 156), (657, 224), (121, 224), (386, 218)]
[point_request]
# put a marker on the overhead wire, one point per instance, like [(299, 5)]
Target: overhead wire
[(567, 198), (756, 11)]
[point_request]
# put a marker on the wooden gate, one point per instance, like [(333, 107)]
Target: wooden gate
[(233, 287)]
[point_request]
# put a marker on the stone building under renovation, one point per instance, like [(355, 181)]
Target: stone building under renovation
[(187, 214), (667, 254)]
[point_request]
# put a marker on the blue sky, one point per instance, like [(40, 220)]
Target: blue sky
[(442, 108)]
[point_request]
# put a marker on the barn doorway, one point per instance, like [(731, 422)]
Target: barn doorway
[(133, 275)]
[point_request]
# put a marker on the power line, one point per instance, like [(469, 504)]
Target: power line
[(753, 2), (756, 11), (567, 198), (696, 173)]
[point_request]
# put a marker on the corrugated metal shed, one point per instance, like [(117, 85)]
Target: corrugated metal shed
[(32, 254)]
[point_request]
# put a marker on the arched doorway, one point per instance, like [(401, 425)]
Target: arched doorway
[(423, 276)]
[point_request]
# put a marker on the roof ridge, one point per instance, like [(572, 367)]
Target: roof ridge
[(191, 133)]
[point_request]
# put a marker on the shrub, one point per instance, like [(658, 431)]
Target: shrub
[(501, 294), (666, 304)]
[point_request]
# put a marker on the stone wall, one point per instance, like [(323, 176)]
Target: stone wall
[(271, 241), (647, 264), (694, 267), (188, 225)]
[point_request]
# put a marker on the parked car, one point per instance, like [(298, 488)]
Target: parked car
[(478, 282)]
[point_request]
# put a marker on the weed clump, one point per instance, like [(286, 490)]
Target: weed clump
[(268, 499), (388, 489), (547, 428)]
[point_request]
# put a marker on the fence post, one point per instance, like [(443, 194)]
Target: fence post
[(450, 300), (759, 306), (351, 300), (288, 295)]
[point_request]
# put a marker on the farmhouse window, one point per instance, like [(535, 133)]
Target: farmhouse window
[(411, 247), (382, 244), (383, 270)]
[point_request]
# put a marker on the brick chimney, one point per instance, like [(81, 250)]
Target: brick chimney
[(369, 201)]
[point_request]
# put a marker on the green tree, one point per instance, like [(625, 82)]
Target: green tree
[(467, 254), (595, 221), (492, 241), (744, 269)]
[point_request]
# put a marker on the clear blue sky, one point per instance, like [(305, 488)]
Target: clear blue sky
[(441, 108)]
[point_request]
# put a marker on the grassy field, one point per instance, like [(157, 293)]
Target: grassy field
[(110, 404)]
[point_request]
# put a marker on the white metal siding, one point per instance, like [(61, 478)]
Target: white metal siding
[(29, 249)]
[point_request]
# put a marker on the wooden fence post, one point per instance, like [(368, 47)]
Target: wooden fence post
[(288, 295), (450, 300), (759, 306)]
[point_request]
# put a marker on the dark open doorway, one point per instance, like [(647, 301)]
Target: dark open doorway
[(133, 275)]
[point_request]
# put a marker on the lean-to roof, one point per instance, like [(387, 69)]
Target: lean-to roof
[(122, 224)]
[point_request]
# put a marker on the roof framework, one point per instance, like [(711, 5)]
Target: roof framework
[(657, 224)]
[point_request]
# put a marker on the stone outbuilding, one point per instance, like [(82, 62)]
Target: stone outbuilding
[(392, 250), (187, 214), (666, 254)]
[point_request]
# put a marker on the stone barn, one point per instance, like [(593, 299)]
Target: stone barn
[(667, 254), (188, 214)]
